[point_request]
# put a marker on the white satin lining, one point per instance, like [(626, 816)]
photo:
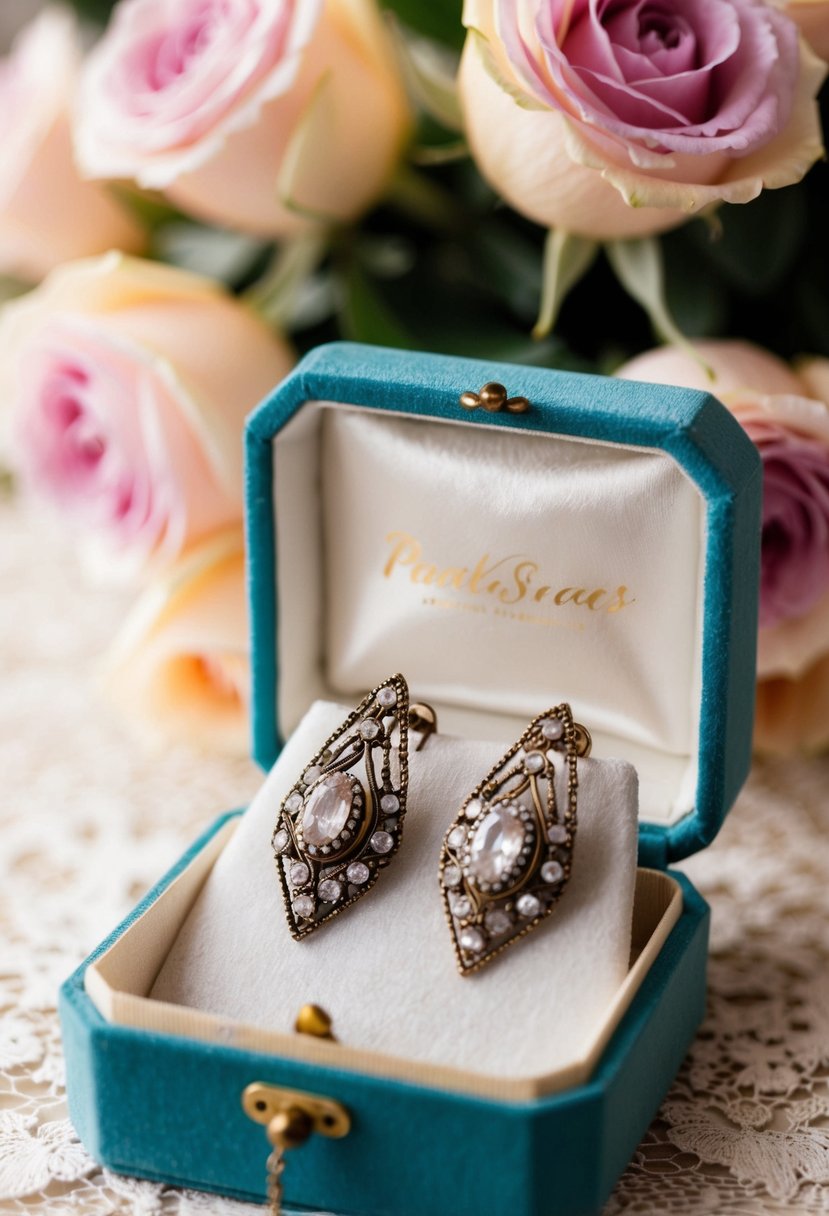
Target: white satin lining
[(572, 514)]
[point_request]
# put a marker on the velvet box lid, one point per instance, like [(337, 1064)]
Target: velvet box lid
[(359, 442)]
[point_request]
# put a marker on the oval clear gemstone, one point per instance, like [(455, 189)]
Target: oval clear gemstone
[(557, 833), (390, 804), (552, 729), (329, 890), (496, 845), (358, 873), (387, 697), (327, 810), (461, 906), (457, 837), (534, 762), (369, 729), (451, 876), (280, 840)]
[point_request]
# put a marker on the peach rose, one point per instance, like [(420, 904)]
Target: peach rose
[(786, 413), (812, 18), (179, 670), (47, 213), (127, 384), (620, 118), (256, 114)]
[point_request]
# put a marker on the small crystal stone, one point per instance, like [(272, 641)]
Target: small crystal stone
[(280, 840), (551, 871), (390, 804), (369, 729), (329, 890), (327, 810), (553, 729), (528, 906), (451, 876), (358, 873), (472, 940), (496, 844), (534, 762), (387, 697), (294, 802), (456, 837), (497, 922), (304, 905), (473, 809), (557, 834), (461, 906), (300, 873), (382, 842), (312, 774)]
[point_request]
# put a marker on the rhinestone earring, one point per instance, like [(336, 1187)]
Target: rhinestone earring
[(342, 821), (506, 859)]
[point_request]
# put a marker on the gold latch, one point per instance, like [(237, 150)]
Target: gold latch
[(290, 1117), (493, 397)]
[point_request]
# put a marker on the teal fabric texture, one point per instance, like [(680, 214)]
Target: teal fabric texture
[(169, 1108), (693, 427)]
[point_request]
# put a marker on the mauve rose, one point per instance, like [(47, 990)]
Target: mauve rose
[(257, 114), (48, 214), (127, 384), (615, 118), (786, 413), (180, 666)]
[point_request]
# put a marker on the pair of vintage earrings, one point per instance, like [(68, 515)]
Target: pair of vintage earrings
[(505, 860)]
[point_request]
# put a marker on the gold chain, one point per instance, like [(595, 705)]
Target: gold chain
[(276, 1168)]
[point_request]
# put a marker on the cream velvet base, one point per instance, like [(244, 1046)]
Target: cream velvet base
[(385, 969)]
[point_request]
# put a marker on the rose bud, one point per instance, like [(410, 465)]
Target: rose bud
[(179, 670)]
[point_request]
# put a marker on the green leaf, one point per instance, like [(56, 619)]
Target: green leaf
[(367, 317), (638, 266), (430, 73), (215, 252), (759, 241), (438, 19), (567, 258), (280, 295)]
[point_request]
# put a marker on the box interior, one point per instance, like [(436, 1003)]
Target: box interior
[(501, 571), (120, 980)]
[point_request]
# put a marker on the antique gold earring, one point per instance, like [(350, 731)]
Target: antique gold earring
[(342, 821), (506, 859)]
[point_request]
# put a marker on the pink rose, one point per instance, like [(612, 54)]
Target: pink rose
[(47, 213), (128, 383), (180, 667), (616, 118), (252, 113), (786, 413)]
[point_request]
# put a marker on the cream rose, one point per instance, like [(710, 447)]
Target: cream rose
[(180, 669), (127, 384), (619, 118), (812, 17), (48, 214), (786, 413), (256, 114)]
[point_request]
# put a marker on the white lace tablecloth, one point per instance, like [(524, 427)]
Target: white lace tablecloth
[(89, 820)]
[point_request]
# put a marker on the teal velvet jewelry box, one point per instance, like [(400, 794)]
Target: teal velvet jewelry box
[(603, 546)]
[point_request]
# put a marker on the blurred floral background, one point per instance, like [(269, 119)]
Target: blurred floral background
[(193, 192)]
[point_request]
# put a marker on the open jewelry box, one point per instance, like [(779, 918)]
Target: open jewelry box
[(601, 548)]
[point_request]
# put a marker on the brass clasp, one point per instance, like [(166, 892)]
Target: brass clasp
[(290, 1114), (493, 398)]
